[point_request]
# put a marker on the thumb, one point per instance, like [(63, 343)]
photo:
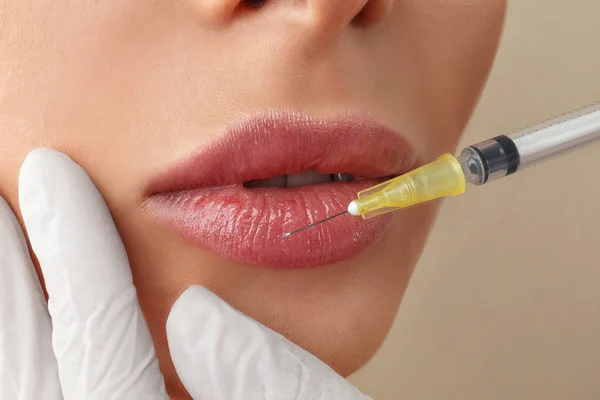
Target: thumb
[(219, 353)]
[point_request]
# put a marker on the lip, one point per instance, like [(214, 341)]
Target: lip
[(204, 200)]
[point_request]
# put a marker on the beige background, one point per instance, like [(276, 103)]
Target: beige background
[(505, 303)]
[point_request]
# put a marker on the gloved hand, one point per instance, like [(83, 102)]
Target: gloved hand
[(101, 347)]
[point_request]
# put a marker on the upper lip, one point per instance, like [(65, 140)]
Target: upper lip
[(285, 143)]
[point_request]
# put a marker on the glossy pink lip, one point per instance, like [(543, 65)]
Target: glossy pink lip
[(203, 197)]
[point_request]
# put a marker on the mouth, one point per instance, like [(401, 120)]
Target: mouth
[(275, 173)]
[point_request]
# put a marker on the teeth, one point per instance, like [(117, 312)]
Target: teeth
[(342, 177), (307, 178), (301, 179), (278, 181)]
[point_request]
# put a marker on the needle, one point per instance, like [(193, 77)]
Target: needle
[(315, 224)]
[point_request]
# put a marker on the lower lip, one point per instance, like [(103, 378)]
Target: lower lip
[(247, 225)]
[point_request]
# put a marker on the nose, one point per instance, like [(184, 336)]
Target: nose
[(322, 15)]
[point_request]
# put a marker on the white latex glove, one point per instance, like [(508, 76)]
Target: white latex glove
[(101, 347)]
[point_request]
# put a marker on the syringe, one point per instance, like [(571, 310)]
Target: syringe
[(477, 164)]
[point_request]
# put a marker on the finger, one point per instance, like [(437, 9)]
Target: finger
[(220, 353), (27, 365), (101, 340)]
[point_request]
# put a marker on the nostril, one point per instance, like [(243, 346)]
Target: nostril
[(254, 4), (372, 13), (358, 20)]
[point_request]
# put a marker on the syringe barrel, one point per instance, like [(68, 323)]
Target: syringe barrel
[(557, 135), (504, 155)]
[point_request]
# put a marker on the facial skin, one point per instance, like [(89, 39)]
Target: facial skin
[(128, 87)]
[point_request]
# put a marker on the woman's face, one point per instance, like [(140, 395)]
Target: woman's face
[(192, 97)]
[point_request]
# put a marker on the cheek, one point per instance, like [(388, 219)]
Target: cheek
[(452, 46), (9, 169), (66, 83)]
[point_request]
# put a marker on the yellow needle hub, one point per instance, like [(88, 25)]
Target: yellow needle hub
[(443, 177)]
